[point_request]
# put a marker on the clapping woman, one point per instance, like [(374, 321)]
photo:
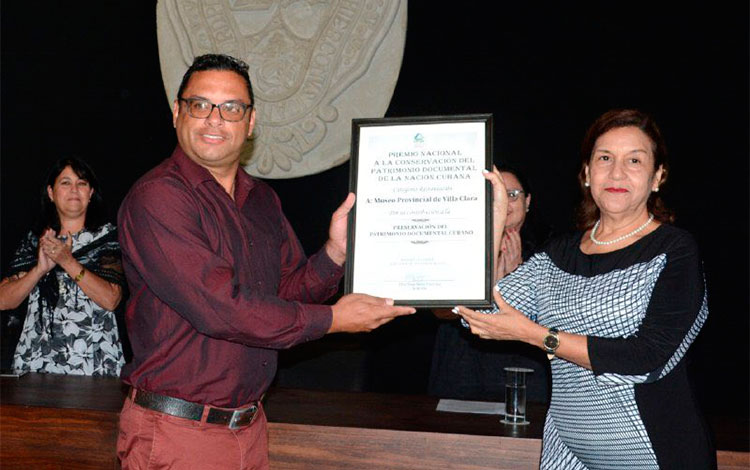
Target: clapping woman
[(70, 270)]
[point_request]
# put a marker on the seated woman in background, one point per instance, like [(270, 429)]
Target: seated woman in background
[(70, 270), (467, 367), (616, 307)]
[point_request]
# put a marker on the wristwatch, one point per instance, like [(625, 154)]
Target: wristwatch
[(551, 342)]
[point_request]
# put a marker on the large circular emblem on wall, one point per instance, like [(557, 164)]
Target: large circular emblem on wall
[(315, 65)]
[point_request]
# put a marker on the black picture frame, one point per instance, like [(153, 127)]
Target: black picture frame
[(476, 297)]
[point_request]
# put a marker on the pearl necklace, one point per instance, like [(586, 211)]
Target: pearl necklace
[(618, 239)]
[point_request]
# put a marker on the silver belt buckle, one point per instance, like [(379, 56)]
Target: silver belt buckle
[(242, 417)]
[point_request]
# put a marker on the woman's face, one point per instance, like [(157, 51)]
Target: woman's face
[(621, 172), (516, 209), (70, 194)]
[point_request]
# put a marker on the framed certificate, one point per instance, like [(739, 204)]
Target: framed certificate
[(421, 228)]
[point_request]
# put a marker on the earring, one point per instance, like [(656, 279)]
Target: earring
[(656, 189), (586, 184)]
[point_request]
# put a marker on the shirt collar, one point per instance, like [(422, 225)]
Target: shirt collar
[(197, 175), (194, 173)]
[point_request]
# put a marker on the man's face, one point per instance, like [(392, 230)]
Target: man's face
[(212, 142)]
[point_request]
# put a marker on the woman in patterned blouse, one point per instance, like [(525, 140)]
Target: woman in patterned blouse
[(616, 306), (70, 270)]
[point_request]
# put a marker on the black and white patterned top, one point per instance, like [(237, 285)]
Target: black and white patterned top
[(65, 332), (641, 308)]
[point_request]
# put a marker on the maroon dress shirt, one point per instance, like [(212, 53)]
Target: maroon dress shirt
[(217, 285)]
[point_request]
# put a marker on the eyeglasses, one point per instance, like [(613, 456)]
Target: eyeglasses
[(514, 193), (231, 111)]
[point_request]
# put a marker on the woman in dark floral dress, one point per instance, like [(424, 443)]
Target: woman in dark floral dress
[(70, 270)]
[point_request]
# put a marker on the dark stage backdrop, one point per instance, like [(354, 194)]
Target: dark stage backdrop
[(83, 77)]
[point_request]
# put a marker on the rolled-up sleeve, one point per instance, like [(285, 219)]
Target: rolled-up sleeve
[(306, 280)]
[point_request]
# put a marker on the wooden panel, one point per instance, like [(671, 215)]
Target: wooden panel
[(51, 438), (64, 391), (303, 447), (390, 411), (66, 422), (728, 460)]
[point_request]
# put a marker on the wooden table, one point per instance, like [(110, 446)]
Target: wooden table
[(66, 422)]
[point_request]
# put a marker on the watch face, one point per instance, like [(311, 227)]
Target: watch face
[(551, 342)]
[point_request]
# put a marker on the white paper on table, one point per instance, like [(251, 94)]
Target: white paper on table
[(467, 406)]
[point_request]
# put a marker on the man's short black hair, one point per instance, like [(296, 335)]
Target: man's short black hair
[(218, 62)]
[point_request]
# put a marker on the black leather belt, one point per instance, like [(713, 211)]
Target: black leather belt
[(234, 419)]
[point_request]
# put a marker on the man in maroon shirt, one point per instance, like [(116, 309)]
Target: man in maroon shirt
[(218, 283)]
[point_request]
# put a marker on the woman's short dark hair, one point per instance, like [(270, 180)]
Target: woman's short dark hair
[(588, 212), (218, 62), (95, 213)]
